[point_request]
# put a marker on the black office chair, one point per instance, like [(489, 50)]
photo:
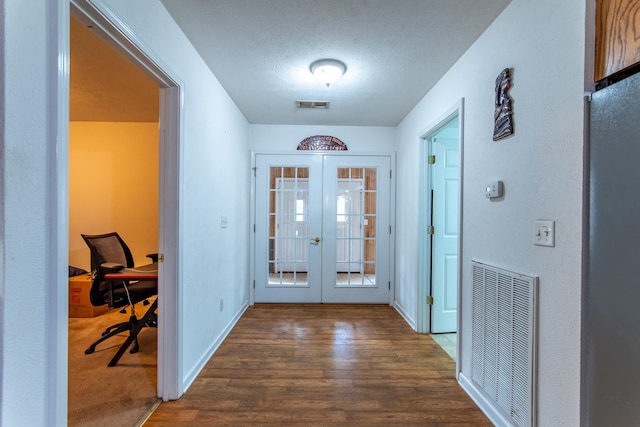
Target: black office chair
[(110, 248)]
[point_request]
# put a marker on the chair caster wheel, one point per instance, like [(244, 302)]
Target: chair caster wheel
[(89, 350), (133, 350)]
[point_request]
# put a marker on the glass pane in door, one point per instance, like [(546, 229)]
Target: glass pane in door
[(288, 226), (355, 218)]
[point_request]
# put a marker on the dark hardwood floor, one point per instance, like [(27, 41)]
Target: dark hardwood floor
[(324, 365)]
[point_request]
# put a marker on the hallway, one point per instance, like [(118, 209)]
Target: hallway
[(355, 365)]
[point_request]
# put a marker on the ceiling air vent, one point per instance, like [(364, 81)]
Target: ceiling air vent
[(323, 105)]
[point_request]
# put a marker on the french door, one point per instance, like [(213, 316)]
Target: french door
[(322, 228)]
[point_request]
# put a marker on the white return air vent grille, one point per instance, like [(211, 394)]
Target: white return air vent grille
[(503, 340), (321, 105)]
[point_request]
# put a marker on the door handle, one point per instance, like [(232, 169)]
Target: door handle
[(315, 240)]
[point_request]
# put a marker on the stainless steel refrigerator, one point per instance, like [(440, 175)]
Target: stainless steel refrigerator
[(611, 308)]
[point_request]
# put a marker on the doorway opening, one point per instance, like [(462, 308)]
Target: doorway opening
[(440, 239), (111, 30), (113, 187)]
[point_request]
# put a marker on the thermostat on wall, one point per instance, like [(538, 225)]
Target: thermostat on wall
[(494, 189)]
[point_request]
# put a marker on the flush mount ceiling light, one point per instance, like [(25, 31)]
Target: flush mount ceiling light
[(328, 71)]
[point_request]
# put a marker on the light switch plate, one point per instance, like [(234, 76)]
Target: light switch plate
[(544, 233), (223, 222)]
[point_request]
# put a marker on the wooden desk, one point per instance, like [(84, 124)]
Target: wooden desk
[(145, 272)]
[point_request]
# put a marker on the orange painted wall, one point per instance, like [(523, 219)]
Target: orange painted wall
[(113, 186)]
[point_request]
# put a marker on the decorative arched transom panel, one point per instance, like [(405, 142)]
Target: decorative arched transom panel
[(322, 142)]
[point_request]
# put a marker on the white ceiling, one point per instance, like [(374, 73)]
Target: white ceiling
[(395, 51)]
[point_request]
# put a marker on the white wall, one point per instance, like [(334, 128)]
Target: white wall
[(215, 261), (285, 138), (33, 243), (33, 249), (112, 166), (541, 166)]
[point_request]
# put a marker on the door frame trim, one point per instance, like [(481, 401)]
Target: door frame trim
[(392, 213), (423, 323), (115, 32)]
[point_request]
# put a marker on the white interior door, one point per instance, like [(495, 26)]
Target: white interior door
[(322, 228), (445, 208)]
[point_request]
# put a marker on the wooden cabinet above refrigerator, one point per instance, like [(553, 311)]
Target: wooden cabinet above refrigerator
[(617, 38)]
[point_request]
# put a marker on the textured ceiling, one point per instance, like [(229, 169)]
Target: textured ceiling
[(395, 51), (105, 87), (260, 51)]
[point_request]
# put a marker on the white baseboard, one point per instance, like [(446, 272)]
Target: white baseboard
[(405, 315), (494, 414), (198, 367)]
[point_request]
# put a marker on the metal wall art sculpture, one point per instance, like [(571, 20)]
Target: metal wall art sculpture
[(503, 113), (322, 142)]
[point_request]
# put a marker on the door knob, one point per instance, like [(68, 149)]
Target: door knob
[(316, 240)]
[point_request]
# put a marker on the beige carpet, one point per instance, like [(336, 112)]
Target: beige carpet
[(99, 395)]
